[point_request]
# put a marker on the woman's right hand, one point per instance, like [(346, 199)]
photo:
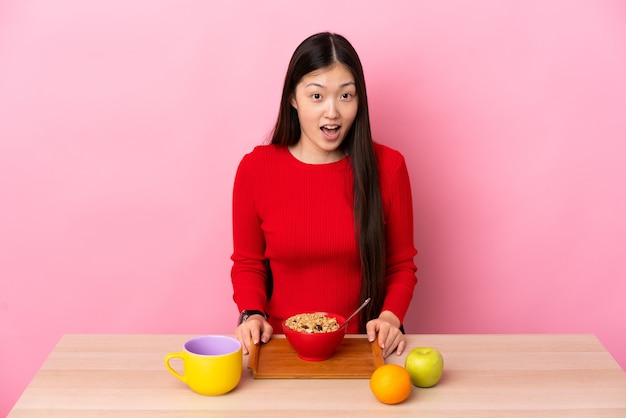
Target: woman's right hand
[(254, 330)]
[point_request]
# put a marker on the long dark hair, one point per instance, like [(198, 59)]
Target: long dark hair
[(321, 51)]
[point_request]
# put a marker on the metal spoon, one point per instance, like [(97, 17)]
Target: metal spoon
[(355, 312)]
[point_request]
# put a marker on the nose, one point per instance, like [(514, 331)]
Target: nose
[(331, 110)]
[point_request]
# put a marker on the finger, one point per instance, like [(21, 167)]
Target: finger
[(383, 334), (371, 328), (246, 335), (260, 329), (395, 341), (255, 332), (392, 341), (401, 346), (267, 332), (245, 342)]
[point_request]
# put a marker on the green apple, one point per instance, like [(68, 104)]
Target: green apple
[(425, 365)]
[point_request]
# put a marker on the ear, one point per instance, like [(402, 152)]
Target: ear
[(293, 102)]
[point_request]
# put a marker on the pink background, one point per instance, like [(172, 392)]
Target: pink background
[(122, 124)]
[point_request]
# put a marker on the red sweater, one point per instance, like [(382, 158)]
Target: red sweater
[(299, 217)]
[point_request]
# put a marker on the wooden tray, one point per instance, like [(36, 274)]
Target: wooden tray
[(356, 358)]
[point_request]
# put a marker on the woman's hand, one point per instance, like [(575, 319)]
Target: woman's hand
[(390, 338), (255, 329)]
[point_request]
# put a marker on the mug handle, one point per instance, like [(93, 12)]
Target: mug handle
[(169, 367)]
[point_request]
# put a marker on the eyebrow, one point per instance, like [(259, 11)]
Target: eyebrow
[(349, 83)]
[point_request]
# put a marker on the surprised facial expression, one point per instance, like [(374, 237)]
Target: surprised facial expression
[(327, 103)]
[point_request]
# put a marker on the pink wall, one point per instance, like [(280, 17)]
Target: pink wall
[(122, 124)]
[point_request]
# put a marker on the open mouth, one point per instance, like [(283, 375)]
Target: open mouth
[(330, 131)]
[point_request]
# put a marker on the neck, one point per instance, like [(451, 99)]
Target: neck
[(319, 157)]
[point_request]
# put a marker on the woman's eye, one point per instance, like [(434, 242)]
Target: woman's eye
[(316, 96), (346, 96)]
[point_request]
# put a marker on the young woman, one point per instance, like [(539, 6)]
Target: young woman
[(322, 216)]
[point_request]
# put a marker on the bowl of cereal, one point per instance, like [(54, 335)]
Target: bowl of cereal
[(315, 336)]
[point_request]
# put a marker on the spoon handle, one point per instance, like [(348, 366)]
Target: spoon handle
[(355, 312)]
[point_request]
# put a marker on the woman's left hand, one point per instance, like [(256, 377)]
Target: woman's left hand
[(390, 338)]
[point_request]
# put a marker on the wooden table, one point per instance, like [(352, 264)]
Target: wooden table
[(484, 376)]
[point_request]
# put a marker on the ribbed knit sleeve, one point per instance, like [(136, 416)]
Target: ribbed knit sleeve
[(249, 270), (400, 269)]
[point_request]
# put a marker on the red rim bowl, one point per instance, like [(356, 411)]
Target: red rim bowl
[(317, 346)]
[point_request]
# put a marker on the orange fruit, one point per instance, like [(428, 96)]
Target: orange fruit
[(391, 384)]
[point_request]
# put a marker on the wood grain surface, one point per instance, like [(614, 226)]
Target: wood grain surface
[(356, 358), (508, 375)]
